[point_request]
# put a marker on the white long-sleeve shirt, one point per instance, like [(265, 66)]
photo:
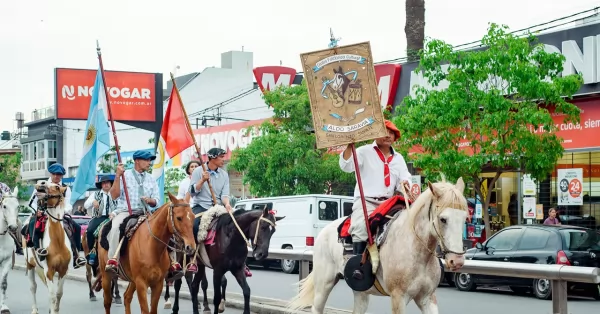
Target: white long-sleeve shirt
[(107, 204), (67, 195), (184, 186), (371, 172)]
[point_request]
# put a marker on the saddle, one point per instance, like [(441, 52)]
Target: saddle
[(208, 224), (130, 225), (378, 220)]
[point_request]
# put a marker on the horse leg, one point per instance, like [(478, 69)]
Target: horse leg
[(217, 276), (53, 290), (6, 266), (88, 277), (361, 303), (59, 292), (106, 290), (176, 288), (167, 297), (399, 300), (142, 294), (33, 289), (427, 304), (117, 295), (128, 296), (223, 299), (324, 279), (156, 291), (194, 285), (201, 277), (240, 276)]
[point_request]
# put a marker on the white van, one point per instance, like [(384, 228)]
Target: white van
[(305, 217)]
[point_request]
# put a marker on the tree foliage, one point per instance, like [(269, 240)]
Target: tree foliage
[(108, 163), (10, 172), (284, 160), (494, 98), (173, 177)]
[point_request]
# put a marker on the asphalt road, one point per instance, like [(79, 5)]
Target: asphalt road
[(75, 299)]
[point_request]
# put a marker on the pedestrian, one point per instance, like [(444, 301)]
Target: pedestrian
[(79, 211), (382, 171), (100, 204), (143, 195), (219, 179), (552, 219), (184, 185)]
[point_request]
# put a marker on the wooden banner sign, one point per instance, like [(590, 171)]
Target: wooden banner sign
[(343, 95)]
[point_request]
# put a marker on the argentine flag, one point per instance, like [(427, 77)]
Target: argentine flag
[(96, 141)]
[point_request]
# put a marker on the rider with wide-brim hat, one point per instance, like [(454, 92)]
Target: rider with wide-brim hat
[(100, 204), (57, 172), (382, 171)]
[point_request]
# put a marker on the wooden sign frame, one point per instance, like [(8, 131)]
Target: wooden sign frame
[(343, 94)]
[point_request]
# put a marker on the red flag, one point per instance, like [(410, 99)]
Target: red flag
[(175, 131)]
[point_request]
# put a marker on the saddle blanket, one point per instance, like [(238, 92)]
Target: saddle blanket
[(207, 226), (377, 219)]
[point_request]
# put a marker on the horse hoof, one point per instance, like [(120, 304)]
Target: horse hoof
[(222, 307), (207, 312), (168, 305), (7, 311), (118, 301), (93, 298)]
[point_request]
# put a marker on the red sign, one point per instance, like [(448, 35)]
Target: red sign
[(269, 78), (583, 135), (228, 136), (132, 96), (388, 76)]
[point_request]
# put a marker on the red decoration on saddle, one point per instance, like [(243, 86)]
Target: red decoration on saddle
[(376, 216), (40, 223), (273, 212)]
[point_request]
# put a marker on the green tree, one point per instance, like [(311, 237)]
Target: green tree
[(108, 163), (495, 98), (10, 172), (172, 178), (284, 160)]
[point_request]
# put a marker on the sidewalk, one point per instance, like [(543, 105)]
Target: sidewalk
[(258, 304)]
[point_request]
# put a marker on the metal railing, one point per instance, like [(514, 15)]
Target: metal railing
[(559, 275)]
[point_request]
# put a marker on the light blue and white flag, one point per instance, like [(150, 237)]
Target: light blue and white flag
[(96, 141)]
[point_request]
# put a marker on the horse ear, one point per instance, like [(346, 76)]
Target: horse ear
[(172, 198), (62, 189), (460, 185), (15, 191), (279, 218), (433, 191)]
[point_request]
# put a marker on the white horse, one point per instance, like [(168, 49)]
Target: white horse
[(53, 269), (9, 213), (409, 268)]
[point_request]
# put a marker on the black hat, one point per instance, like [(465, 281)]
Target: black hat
[(102, 179), (215, 152)]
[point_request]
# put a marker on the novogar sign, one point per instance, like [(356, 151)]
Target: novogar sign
[(132, 95)]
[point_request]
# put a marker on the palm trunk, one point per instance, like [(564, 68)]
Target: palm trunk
[(414, 28)]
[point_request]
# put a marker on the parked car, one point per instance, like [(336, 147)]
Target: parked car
[(83, 221), (538, 244)]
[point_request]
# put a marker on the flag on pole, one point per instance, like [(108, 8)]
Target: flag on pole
[(175, 137), (96, 141)]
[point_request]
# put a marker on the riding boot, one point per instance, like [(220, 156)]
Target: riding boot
[(358, 248), (18, 248), (41, 252)]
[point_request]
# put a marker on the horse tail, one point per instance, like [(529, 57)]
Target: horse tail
[(306, 295)]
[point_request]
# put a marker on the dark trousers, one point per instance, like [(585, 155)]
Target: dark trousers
[(37, 234), (34, 234), (92, 226), (197, 209)]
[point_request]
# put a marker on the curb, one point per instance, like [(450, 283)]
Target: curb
[(258, 304)]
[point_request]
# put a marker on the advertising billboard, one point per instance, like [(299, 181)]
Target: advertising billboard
[(132, 95)]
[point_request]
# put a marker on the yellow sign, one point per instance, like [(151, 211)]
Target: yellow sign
[(344, 100), (539, 211)]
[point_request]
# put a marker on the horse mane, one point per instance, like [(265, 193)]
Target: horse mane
[(225, 221), (448, 196)]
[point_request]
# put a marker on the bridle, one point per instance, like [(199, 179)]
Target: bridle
[(43, 203), (258, 224), (439, 237), (177, 235)]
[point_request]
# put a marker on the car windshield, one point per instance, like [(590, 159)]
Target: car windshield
[(581, 240)]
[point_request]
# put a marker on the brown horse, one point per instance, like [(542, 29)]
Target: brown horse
[(53, 269), (144, 260), (92, 271), (228, 254)]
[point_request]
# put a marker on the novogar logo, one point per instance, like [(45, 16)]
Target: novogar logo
[(68, 92)]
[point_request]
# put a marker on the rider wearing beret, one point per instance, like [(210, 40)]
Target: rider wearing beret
[(57, 171)]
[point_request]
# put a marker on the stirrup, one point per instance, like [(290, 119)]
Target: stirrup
[(79, 262), (111, 265), (41, 252), (192, 268)]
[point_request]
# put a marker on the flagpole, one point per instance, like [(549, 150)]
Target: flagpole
[(187, 124), (112, 124)]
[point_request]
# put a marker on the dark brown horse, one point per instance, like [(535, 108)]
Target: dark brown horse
[(144, 260), (228, 254), (92, 271)]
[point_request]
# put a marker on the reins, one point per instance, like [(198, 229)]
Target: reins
[(261, 218), (176, 233)]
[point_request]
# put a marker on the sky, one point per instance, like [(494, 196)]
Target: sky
[(37, 36)]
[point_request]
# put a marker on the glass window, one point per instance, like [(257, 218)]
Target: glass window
[(580, 239), (51, 149), (41, 149), (534, 239), (25, 152), (328, 210), (504, 239), (31, 151), (261, 206), (242, 207), (347, 208)]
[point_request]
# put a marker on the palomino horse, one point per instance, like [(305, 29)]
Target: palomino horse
[(8, 224), (228, 252), (53, 269), (92, 271), (144, 260), (409, 269)]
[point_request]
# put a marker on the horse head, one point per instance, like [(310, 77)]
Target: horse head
[(260, 231), (10, 210), (448, 213), (51, 198), (182, 223)]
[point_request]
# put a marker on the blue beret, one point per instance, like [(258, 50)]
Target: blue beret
[(143, 154), (57, 169)]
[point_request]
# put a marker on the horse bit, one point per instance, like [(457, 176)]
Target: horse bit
[(176, 233)]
